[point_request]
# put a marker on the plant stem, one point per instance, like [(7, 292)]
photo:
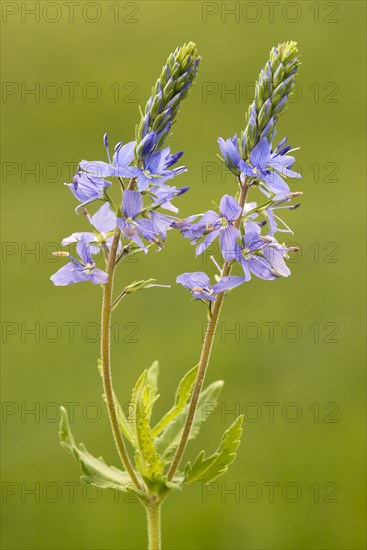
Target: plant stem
[(206, 351), (105, 356), (153, 509)]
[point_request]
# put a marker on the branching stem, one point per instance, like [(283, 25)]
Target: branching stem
[(206, 351)]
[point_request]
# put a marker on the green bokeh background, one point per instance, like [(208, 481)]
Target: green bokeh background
[(169, 326)]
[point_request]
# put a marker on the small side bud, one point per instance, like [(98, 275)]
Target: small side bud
[(138, 285), (61, 254)]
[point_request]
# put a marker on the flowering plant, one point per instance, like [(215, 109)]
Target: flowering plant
[(143, 169)]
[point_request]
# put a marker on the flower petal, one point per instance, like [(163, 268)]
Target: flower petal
[(229, 208), (207, 241), (96, 167), (99, 277), (124, 155), (104, 220), (227, 283), (260, 154), (246, 169), (228, 237), (195, 279), (132, 203), (261, 268), (275, 183), (68, 275)]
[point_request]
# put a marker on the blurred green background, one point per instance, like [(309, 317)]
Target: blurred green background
[(311, 452)]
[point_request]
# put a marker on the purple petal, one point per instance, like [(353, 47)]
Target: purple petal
[(253, 242), (261, 268), (229, 208), (196, 279), (245, 268), (275, 256), (125, 171), (209, 218), (68, 275), (97, 167), (124, 155), (132, 203), (99, 277), (227, 283), (207, 241), (229, 151), (83, 249), (246, 169), (227, 241), (104, 220), (75, 237), (260, 154), (145, 228), (143, 182), (275, 183)]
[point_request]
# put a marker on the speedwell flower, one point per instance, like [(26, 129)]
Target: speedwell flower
[(199, 284), (131, 227), (265, 166), (87, 188), (103, 221), (117, 167), (262, 256), (156, 169), (78, 271), (230, 152), (213, 224)]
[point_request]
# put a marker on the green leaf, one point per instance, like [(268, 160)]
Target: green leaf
[(95, 470), (170, 437), (152, 382), (207, 469), (123, 421), (148, 461), (182, 395)]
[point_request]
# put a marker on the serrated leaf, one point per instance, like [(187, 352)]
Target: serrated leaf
[(123, 421), (207, 469), (183, 393), (147, 459), (95, 470), (168, 440)]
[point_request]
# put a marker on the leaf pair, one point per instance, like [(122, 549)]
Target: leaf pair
[(154, 447)]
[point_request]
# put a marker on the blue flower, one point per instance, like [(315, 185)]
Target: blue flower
[(213, 225), (199, 285), (156, 169), (164, 194), (265, 166), (78, 271), (262, 256), (161, 223), (104, 222), (230, 152), (131, 227), (118, 166), (87, 188)]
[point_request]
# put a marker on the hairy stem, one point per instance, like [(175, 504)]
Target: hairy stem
[(153, 509), (105, 356), (206, 352)]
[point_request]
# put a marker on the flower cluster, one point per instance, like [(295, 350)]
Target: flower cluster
[(143, 168), (247, 231), (145, 193), (239, 229)]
